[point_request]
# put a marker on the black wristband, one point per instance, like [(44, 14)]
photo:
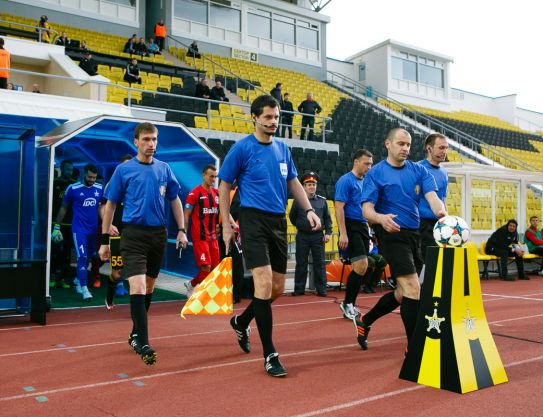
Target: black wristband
[(104, 238), (310, 209), (182, 229)]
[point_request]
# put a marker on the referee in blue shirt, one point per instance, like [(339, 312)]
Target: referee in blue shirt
[(264, 171), (143, 185), (390, 198), (354, 236), (436, 147)]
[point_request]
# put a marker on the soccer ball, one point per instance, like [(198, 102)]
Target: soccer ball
[(451, 231)]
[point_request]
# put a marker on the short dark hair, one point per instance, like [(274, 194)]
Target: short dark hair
[(512, 221), (362, 152), (286, 94), (431, 139), (392, 133), (278, 84), (144, 127), (65, 162), (534, 217), (1, 41), (265, 100), (209, 166), (90, 168), (125, 158)]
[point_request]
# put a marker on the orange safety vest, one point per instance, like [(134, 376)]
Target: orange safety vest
[(160, 30), (5, 62)]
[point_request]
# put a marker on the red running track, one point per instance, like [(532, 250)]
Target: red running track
[(81, 365)]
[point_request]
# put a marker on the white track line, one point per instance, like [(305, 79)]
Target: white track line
[(181, 371), (388, 394), (514, 297)]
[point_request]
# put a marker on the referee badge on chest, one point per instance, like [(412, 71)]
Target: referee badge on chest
[(417, 189), (283, 168), (162, 190)]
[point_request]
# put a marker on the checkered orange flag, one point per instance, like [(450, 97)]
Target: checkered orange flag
[(214, 294)]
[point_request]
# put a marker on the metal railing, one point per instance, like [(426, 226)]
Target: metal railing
[(209, 104), (413, 117), (38, 29)]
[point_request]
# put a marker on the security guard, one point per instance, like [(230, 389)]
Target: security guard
[(311, 240)]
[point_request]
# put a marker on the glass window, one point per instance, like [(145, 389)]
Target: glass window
[(506, 202), (481, 204), (431, 76), (259, 26), (195, 10), (362, 72), (403, 69), (533, 202), (283, 32), (307, 38), (224, 17), (454, 196)]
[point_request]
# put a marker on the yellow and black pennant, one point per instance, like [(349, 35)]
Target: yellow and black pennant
[(452, 347)]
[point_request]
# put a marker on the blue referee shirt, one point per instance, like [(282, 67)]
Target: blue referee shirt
[(143, 189), (262, 171), (442, 181), (84, 201), (398, 191), (349, 191)]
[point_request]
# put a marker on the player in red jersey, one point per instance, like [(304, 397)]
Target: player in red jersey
[(202, 214)]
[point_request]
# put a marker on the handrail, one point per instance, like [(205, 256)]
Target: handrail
[(461, 137), (131, 90), (216, 64), (38, 28)]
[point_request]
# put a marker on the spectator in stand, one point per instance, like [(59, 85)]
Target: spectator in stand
[(36, 88), (153, 47), (217, 92), (63, 40), (10, 86), (88, 64), (5, 62), (44, 30), (132, 74), (83, 47), (130, 45), (286, 118), (193, 50), (141, 48), (533, 237), (276, 94), (504, 243), (309, 107), (160, 34), (202, 89)]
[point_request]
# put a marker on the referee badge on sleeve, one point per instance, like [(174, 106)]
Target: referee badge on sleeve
[(417, 189)]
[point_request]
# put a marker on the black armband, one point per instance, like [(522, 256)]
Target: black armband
[(104, 238), (310, 209)]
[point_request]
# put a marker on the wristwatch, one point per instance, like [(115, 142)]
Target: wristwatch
[(310, 209), (182, 229)]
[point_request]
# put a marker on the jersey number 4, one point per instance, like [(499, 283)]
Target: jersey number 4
[(203, 257)]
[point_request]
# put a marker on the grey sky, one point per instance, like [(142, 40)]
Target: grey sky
[(496, 45)]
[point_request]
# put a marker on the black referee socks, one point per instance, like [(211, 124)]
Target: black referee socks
[(386, 304), (264, 323), (148, 298), (139, 316), (354, 282), (409, 310)]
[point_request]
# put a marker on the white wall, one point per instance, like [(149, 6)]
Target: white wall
[(346, 68), (528, 119), (377, 68)]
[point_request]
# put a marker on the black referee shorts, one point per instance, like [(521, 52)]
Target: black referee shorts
[(263, 239), (401, 250), (359, 239), (142, 249)]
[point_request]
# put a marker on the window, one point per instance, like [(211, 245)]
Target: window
[(259, 24), (283, 32), (431, 76), (195, 10), (224, 17), (307, 38), (403, 69), (362, 72)]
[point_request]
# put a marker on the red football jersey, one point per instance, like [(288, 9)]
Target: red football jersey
[(205, 213)]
